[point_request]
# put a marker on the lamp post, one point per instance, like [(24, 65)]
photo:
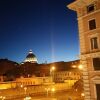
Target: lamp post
[(52, 91), (52, 69), (21, 86), (47, 91), (25, 89)]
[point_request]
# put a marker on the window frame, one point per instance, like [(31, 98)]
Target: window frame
[(89, 41), (93, 64), (92, 43), (91, 5), (89, 24)]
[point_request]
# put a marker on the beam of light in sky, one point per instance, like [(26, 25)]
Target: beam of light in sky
[(52, 47), (52, 41)]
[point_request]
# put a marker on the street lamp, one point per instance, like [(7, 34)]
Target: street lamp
[(52, 91), (27, 98), (80, 67), (73, 66), (25, 89), (52, 69), (21, 86), (47, 91), (82, 94)]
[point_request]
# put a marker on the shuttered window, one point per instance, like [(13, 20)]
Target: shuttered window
[(94, 43)]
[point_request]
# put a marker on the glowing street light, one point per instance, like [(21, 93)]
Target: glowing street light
[(3, 98), (53, 89), (82, 94), (52, 69), (47, 90), (21, 86), (25, 88), (27, 98), (74, 66), (80, 67)]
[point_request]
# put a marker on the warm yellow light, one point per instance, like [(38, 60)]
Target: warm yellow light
[(53, 89), (21, 86), (2, 98), (53, 68), (75, 89), (25, 88), (74, 66), (80, 67), (82, 94), (27, 98)]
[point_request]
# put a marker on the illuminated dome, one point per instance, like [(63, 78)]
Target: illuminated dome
[(31, 57)]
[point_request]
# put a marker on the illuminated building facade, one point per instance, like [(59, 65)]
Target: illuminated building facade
[(33, 81), (88, 13), (62, 76)]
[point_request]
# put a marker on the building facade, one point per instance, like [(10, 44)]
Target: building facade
[(88, 13), (33, 81), (63, 76)]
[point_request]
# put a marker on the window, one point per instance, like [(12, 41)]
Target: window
[(98, 91), (92, 24), (96, 63), (94, 43), (90, 8)]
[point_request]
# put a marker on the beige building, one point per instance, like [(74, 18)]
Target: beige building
[(88, 13), (33, 81), (63, 76)]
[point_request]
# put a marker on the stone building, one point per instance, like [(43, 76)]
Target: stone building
[(63, 76), (88, 13), (33, 81)]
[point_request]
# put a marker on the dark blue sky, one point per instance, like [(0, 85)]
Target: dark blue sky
[(47, 27)]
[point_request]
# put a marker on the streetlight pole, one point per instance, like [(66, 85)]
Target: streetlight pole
[(25, 89), (47, 91), (52, 69), (52, 91)]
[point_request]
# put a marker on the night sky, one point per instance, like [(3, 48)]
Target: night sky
[(47, 27)]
